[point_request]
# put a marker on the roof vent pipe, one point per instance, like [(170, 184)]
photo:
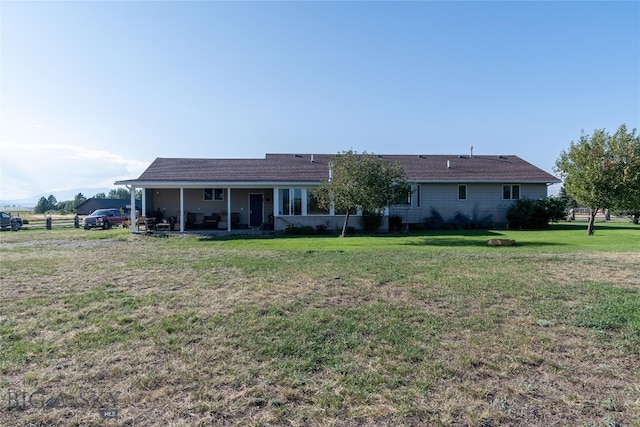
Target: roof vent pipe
[(471, 149), (448, 164), (312, 158)]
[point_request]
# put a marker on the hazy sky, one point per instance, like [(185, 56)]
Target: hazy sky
[(92, 92)]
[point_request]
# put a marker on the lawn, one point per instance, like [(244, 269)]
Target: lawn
[(107, 328)]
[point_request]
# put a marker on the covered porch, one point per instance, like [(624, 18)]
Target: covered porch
[(226, 207), (205, 208)]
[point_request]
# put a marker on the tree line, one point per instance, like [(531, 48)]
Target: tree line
[(51, 204)]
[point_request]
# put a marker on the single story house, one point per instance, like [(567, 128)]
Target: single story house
[(92, 204), (277, 190)]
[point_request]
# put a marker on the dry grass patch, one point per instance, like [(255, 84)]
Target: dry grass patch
[(187, 332)]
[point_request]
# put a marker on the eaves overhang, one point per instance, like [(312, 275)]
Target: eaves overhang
[(484, 181), (209, 184)]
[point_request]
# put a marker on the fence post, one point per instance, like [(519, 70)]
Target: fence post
[(76, 221), (48, 224)]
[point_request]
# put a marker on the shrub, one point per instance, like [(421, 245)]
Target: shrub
[(306, 230), (395, 223), (371, 222), (290, 229), (535, 214), (321, 228), (434, 221), (459, 221)]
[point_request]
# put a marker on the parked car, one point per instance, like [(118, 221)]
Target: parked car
[(8, 221), (105, 219)]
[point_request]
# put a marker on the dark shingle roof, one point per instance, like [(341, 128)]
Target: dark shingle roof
[(301, 168)]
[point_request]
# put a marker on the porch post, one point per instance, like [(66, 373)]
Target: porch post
[(229, 209), (276, 204), (143, 207), (132, 226), (181, 209)]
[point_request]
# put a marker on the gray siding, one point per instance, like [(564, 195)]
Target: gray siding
[(482, 200)]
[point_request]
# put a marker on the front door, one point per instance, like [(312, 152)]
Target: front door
[(255, 210)]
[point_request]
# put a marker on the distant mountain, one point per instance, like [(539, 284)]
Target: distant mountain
[(60, 196)]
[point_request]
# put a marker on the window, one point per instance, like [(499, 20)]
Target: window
[(312, 206), (297, 201), (283, 208), (406, 200), (462, 192), (510, 192), (290, 201), (418, 195), (213, 194)]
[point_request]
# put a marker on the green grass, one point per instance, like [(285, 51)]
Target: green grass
[(411, 329)]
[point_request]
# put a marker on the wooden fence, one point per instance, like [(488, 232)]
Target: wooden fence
[(34, 224)]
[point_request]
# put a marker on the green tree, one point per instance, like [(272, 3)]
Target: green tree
[(568, 201), (42, 206), (66, 207), (52, 202), (100, 196), (625, 147), (363, 182), (119, 193), (78, 200), (599, 170)]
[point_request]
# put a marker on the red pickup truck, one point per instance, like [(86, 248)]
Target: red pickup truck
[(105, 218)]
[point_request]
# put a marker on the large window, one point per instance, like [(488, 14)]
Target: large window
[(462, 192), (290, 201), (312, 206), (297, 201), (510, 192), (283, 208)]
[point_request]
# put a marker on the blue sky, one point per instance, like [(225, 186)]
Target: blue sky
[(92, 92)]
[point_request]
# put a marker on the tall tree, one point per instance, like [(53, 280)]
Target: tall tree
[(52, 202), (100, 196), (593, 170), (78, 200), (625, 147), (363, 182), (119, 193), (42, 206), (568, 201)]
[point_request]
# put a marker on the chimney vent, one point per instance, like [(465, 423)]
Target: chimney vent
[(471, 149), (448, 164)]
